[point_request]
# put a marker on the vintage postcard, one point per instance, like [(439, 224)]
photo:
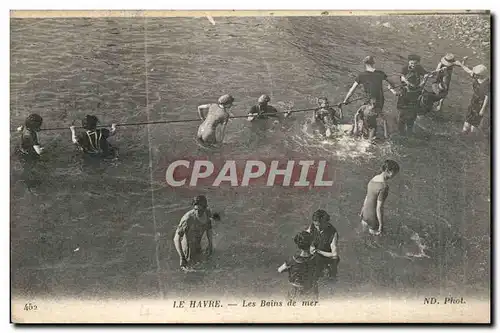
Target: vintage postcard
[(250, 166)]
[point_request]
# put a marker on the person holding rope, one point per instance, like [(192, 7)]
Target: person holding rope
[(326, 117), (413, 78), (480, 97), (372, 81), (214, 115), (263, 110), (441, 86), (30, 149), (94, 141)]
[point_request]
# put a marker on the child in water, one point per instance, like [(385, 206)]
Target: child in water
[(325, 117), (372, 212), (94, 141), (365, 120)]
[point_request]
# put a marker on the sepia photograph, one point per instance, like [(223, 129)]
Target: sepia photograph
[(250, 166)]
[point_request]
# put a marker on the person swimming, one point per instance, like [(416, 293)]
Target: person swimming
[(214, 115)]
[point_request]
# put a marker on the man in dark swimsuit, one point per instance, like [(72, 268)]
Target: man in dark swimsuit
[(480, 97), (30, 150), (372, 81), (413, 76), (94, 141)]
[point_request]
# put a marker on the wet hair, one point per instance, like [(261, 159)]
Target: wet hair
[(200, 200), (391, 166), (303, 240), (369, 60), (33, 122), (90, 122), (321, 215)]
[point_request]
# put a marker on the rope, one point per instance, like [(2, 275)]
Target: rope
[(198, 120)]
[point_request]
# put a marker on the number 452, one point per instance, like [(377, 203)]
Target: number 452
[(29, 307)]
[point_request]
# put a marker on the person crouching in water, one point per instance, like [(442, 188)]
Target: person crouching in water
[(94, 141), (302, 270), (365, 121), (263, 110), (193, 225), (324, 244), (325, 118), (480, 97), (214, 115), (30, 149), (372, 212)]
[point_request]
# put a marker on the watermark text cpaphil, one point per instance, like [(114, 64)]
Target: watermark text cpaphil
[(285, 173)]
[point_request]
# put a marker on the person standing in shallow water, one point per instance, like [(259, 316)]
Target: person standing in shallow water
[(372, 81), (214, 115), (325, 243), (302, 270), (413, 77), (441, 85), (372, 212), (193, 225), (480, 97), (30, 149)]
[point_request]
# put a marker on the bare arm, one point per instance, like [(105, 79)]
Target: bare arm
[(333, 247), (178, 247), (112, 131), (465, 68), (210, 244), (73, 135), (380, 214), (282, 268), (179, 234), (39, 149), (351, 91), (483, 107), (201, 111), (391, 86)]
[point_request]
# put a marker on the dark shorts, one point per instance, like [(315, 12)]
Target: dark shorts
[(441, 93), (407, 115), (328, 264), (472, 117)]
